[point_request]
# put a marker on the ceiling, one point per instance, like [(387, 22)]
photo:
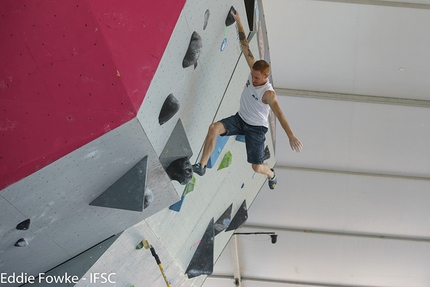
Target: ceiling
[(353, 79)]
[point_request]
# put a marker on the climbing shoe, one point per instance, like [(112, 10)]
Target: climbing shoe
[(272, 181), (197, 168)]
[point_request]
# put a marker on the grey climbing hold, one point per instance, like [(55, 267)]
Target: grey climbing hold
[(240, 217), (203, 258), (23, 225), (180, 170), (128, 192), (169, 109), (21, 242), (230, 20), (207, 14), (148, 198), (177, 146), (193, 52)]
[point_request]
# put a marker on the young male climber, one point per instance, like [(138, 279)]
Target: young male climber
[(258, 97)]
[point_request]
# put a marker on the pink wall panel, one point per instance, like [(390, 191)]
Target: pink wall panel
[(69, 74), (137, 33)]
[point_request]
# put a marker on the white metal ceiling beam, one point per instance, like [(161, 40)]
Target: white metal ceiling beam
[(338, 233), (353, 97), (384, 3), (409, 177), (283, 282)]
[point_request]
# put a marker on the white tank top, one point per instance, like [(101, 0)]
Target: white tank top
[(252, 109)]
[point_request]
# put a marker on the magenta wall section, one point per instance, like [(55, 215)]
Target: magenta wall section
[(72, 71)]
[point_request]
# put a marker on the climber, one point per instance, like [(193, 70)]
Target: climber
[(258, 97)]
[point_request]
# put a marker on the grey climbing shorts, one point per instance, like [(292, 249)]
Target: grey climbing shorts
[(255, 136)]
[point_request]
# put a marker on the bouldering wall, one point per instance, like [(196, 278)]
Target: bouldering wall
[(72, 79), (71, 185), (73, 71), (57, 199), (206, 93)]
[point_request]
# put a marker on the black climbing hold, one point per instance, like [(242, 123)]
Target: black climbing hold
[(207, 14), (230, 20), (193, 52), (180, 170), (266, 153), (203, 258), (240, 217), (21, 242), (23, 225), (169, 109), (128, 192), (224, 221)]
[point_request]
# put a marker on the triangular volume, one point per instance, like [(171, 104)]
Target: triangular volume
[(240, 217), (178, 205), (220, 143), (128, 192), (176, 147), (203, 258), (224, 221)]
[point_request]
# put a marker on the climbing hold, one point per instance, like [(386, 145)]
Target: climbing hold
[(240, 138), (23, 225), (193, 52), (203, 258), (180, 170), (148, 198), (230, 20), (190, 186), (178, 205), (177, 146), (223, 221), (239, 218), (223, 44), (207, 14), (226, 161), (242, 185), (169, 109), (220, 143), (21, 242), (140, 245), (128, 192)]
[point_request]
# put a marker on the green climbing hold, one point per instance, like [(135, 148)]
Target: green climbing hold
[(226, 161), (190, 186), (139, 246)]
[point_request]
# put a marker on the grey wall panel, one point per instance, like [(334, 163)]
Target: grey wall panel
[(136, 267), (57, 198)]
